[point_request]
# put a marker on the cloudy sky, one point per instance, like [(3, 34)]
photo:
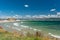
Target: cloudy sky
[(28, 7)]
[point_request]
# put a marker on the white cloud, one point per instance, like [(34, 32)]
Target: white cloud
[(28, 16), (52, 9), (58, 13), (26, 5), (17, 16), (35, 16)]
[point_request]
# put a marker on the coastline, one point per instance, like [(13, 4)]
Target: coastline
[(2, 21), (35, 30), (54, 35)]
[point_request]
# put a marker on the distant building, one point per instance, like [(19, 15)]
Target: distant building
[(11, 19)]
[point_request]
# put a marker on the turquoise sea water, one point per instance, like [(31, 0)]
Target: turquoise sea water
[(46, 26)]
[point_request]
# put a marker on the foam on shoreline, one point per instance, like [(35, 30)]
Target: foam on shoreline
[(16, 24), (54, 35), (2, 21)]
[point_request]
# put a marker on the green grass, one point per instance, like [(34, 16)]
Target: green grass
[(9, 36)]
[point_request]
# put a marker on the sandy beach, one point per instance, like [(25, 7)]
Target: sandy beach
[(2, 21)]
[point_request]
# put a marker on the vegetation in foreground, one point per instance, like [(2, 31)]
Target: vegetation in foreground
[(5, 35)]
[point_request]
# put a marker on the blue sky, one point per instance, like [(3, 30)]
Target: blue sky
[(36, 7)]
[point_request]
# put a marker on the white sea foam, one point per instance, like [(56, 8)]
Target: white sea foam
[(16, 24), (54, 35), (49, 33), (7, 26), (34, 29), (21, 22), (39, 30), (16, 28), (21, 25), (31, 28), (24, 26)]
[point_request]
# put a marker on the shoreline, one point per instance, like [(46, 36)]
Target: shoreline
[(54, 35), (2, 21), (50, 34)]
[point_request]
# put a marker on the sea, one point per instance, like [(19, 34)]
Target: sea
[(45, 26)]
